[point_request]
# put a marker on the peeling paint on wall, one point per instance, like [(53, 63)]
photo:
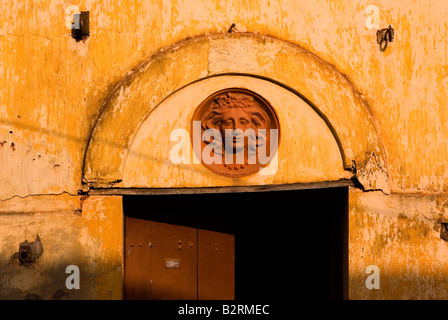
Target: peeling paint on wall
[(53, 91)]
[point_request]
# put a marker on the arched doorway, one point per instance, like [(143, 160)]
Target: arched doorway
[(252, 246), (328, 135)]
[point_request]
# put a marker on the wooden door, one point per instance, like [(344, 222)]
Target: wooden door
[(243, 246), (174, 257)]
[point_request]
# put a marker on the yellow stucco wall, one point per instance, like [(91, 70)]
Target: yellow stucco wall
[(400, 234), (87, 233), (54, 89)]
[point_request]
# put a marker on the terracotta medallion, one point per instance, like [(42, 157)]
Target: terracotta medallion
[(235, 132)]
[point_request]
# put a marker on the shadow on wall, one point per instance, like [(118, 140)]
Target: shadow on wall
[(30, 272), (394, 285), (14, 145), (62, 135), (46, 281)]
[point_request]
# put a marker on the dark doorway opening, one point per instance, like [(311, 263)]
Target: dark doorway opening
[(245, 246)]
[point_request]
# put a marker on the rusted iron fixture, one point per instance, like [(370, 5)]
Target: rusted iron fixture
[(232, 28), (29, 252), (444, 231), (81, 26), (384, 36)]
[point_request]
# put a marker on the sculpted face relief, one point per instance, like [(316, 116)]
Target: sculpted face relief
[(238, 132)]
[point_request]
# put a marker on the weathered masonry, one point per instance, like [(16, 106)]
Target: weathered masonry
[(101, 169)]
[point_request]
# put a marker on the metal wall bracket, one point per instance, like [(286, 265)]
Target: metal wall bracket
[(80, 26), (384, 36)]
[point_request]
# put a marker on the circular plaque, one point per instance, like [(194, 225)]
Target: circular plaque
[(235, 132)]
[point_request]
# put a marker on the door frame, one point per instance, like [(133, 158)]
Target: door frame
[(240, 189), (231, 189)]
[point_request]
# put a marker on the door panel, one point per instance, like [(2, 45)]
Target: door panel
[(137, 257), (164, 262), (173, 262), (216, 265)]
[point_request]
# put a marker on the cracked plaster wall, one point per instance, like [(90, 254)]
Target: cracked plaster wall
[(52, 89), (86, 232)]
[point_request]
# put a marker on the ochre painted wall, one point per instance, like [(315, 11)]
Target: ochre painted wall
[(87, 233), (401, 235), (53, 90)]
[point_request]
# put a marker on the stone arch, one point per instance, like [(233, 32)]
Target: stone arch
[(325, 89)]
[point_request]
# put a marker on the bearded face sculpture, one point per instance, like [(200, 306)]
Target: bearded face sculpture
[(237, 123)]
